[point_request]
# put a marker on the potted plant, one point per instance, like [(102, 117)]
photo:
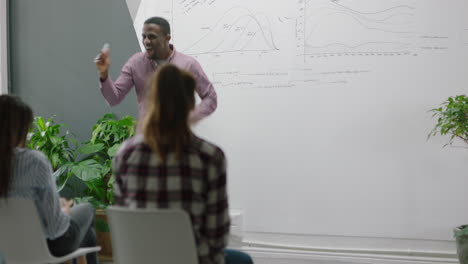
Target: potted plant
[(461, 236), (91, 163), (452, 119), (96, 173)]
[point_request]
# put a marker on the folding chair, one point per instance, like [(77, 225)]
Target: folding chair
[(148, 236), (22, 239)]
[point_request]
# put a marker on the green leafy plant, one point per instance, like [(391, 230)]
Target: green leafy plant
[(47, 137), (107, 135), (452, 119), (91, 163), (58, 146)]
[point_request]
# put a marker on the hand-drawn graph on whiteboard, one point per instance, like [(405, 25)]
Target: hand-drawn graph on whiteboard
[(237, 30), (337, 28)]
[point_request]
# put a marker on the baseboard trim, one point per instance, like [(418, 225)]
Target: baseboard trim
[(266, 250)]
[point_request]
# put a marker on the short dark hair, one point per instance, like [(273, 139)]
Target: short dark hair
[(161, 22)]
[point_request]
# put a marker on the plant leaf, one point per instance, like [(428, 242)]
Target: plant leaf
[(462, 231), (91, 148), (113, 150), (126, 121), (87, 170)]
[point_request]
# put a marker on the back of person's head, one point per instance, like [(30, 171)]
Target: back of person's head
[(15, 120), (161, 22), (171, 98)]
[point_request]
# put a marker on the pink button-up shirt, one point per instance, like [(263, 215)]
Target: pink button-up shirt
[(139, 68)]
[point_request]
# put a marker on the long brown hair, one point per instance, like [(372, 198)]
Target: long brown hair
[(170, 99), (15, 120)]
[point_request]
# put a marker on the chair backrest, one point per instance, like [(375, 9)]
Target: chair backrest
[(151, 236), (22, 238)]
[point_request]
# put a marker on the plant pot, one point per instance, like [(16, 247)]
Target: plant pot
[(461, 235), (103, 238)]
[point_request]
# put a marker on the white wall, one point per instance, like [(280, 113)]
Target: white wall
[(3, 48)]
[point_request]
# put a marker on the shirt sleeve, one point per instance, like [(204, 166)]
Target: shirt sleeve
[(205, 91), (55, 221), (217, 218), (115, 92)]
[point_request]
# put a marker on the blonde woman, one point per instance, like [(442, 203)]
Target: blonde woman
[(185, 171)]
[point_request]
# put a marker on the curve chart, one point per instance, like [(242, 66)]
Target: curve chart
[(331, 28), (238, 30)]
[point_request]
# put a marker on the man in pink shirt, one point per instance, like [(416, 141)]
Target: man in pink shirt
[(156, 35)]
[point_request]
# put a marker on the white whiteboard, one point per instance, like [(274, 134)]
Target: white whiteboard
[(323, 110)]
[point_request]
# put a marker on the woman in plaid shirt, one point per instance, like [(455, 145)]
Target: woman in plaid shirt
[(170, 167)]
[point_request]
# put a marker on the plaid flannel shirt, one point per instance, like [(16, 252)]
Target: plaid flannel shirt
[(196, 183)]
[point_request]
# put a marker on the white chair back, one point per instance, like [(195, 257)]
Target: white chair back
[(147, 236), (22, 240), (21, 234)]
